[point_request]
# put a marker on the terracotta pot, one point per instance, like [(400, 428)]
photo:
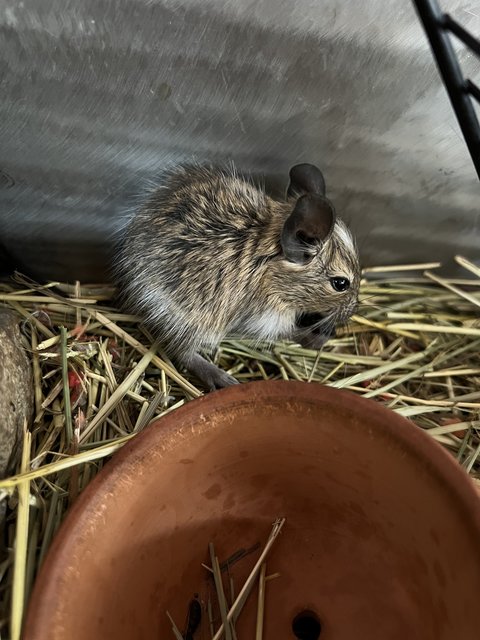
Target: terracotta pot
[(382, 538)]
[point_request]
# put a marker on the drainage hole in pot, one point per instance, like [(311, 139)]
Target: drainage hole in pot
[(306, 626)]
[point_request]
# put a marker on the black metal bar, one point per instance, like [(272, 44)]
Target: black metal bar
[(433, 22), (473, 90), (461, 33)]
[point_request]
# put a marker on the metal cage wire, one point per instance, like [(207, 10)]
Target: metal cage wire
[(438, 27)]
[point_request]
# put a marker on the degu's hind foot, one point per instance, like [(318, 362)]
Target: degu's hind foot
[(209, 374)]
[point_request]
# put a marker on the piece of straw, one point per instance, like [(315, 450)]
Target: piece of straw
[(222, 601), (66, 389), (239, 603), (451, 287), (66, 463), (195, 393), (402, 267), (118, 394), (261, 603), (473, 268), (175, 629), (21, 542)]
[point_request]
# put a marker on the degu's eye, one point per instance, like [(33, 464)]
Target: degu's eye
[(340, 284)]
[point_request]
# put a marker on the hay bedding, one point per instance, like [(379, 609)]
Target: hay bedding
[(98, 381)]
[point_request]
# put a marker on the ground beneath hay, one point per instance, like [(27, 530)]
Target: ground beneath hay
[(412, 347)]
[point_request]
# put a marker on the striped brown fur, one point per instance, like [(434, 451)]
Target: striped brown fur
[(202, 258)]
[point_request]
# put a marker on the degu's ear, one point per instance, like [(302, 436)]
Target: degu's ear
[(305, 178), (306, 228)]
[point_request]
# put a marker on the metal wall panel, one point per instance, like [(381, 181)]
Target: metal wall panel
[(97, 96)]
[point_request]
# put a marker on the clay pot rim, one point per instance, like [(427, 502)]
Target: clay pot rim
[(397, 427)]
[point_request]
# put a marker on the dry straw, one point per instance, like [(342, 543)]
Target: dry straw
[(98, 381)]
